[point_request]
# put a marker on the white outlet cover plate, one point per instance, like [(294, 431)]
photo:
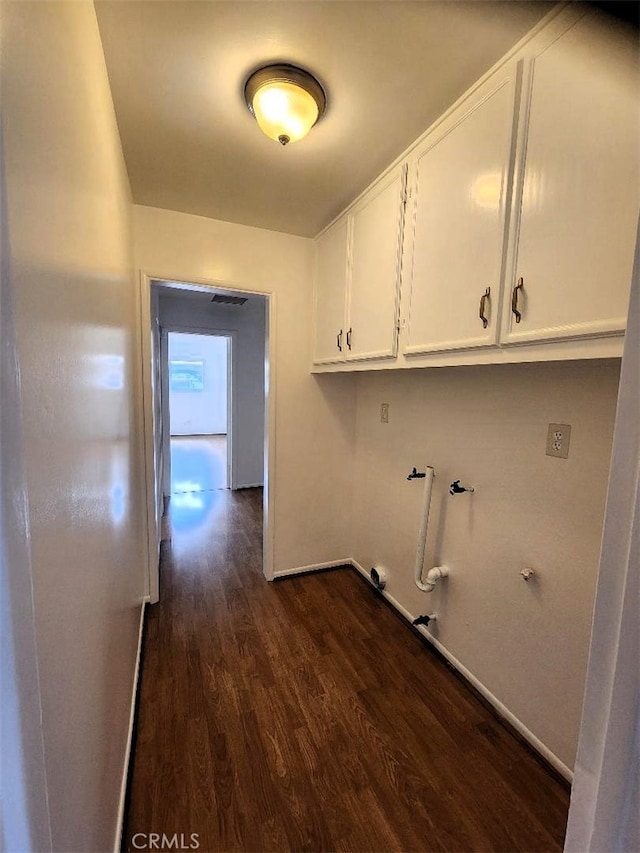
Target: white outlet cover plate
[(558, 438)]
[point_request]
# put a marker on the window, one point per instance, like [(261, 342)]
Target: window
[(186, 375)]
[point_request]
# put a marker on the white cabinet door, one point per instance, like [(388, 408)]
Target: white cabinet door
[(576, 205), (463, 176), (330, 296), (376, 247)]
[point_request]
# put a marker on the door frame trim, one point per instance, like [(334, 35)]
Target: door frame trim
[(152, 539)]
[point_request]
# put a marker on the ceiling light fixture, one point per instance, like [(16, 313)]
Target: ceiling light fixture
[(286, 101)]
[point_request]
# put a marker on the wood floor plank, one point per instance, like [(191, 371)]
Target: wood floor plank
[(305, 715)]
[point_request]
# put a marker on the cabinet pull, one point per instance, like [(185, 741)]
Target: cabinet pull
[(349, 338), (339, 340), (483, 301), (514, 299)]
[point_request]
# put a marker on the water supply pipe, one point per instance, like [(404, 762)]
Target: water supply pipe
[(437, 572)]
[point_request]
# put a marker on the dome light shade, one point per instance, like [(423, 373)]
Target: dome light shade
[(285, 100)]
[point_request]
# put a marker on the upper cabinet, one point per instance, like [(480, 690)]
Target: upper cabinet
[(358, 266), (330, 292), (521, 208), (376, 258), (576, 199), (461, 179)]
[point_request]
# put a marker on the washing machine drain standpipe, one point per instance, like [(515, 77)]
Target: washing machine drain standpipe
[(437, 572)]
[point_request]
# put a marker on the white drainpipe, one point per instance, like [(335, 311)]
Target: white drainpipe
[(437, 572)]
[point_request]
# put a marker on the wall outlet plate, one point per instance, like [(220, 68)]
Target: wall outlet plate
[(384, 413), (558, 438)]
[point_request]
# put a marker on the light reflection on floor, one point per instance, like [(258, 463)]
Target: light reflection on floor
[(198, 481)]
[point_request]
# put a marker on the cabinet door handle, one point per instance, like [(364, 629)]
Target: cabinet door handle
[(349, 338), (483, 302), (339, 340), (514, 299)]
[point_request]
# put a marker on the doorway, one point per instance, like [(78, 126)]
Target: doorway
[(209, 346), (199, 411)]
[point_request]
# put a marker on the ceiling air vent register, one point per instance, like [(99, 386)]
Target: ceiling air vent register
[(225, 299)]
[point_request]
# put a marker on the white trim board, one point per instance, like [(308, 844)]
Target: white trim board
[(144, 378), (117, 843), (144, 381), (314, 567), (550, 757)]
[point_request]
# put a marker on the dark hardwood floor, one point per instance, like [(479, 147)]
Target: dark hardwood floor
[(305, 715)]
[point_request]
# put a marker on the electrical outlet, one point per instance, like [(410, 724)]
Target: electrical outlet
[(558, 438), (384, 413)]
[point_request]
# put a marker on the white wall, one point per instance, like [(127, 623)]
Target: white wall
[(314, 415), (24, 814), (69, 229), (202, 412), (247, 322), (487, 425), (604, 812)]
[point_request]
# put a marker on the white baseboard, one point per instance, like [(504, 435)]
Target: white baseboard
[(503, 711), (314, 567), (247, 486), (127, 754)]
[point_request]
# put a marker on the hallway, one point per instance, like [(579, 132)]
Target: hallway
[(198, 463), (304, 715)]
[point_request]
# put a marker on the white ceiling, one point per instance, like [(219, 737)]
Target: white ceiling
[(177, 70)]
